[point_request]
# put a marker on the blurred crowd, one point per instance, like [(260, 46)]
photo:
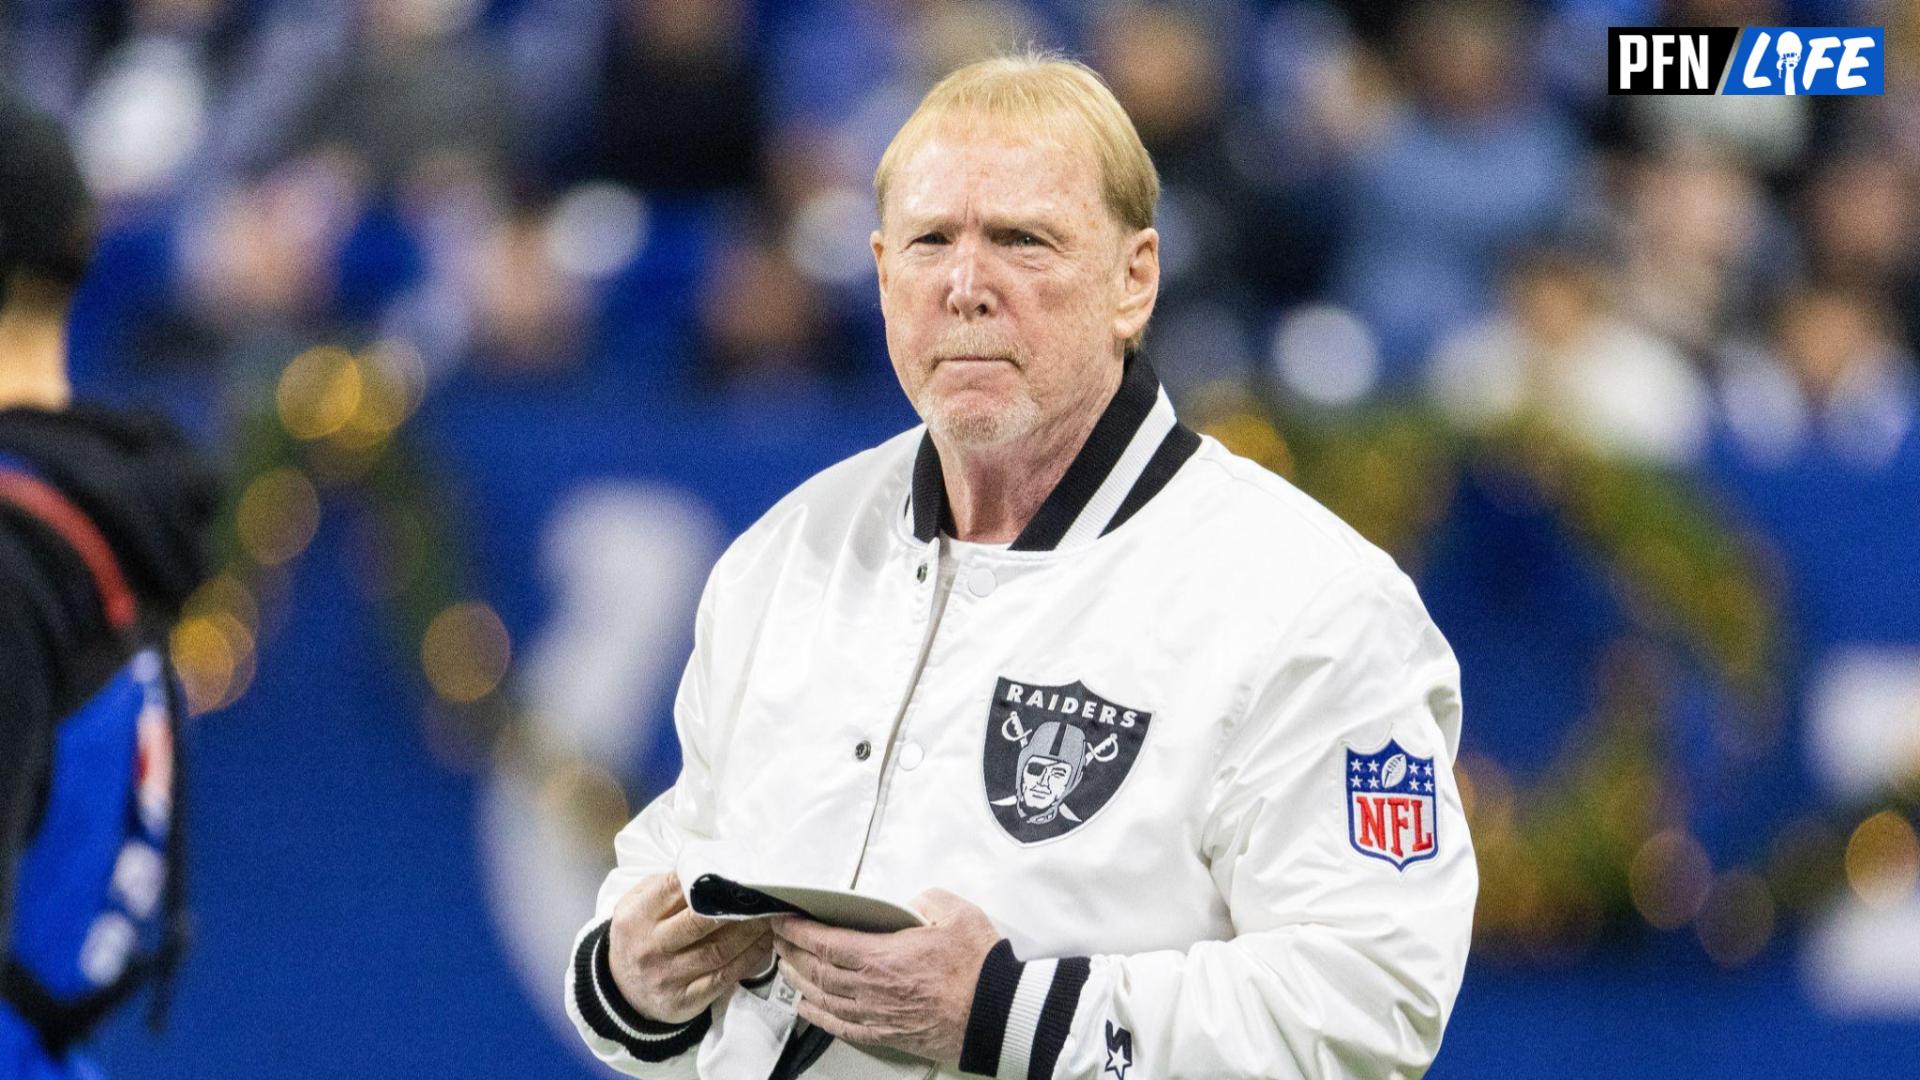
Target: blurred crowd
[(1363, 200)]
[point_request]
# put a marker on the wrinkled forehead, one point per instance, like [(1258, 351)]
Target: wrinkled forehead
[(997, 166)]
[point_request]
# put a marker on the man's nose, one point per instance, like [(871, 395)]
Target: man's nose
[(970, 293)]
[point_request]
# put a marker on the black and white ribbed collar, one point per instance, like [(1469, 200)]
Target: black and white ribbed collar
[(1133, 450)]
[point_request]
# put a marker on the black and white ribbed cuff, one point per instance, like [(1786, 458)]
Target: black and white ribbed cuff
[(612, 1018), (1022, 1011)]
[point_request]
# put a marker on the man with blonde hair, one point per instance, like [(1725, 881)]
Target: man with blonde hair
[(1158, 749)]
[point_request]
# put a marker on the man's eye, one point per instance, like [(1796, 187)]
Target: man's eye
[(1025, 239), (929, 238)]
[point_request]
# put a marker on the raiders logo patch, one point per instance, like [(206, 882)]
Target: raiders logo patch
[(1055, 755), (1391, 807)]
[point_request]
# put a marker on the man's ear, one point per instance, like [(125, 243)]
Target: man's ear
[(879, 245), (1140, 284)]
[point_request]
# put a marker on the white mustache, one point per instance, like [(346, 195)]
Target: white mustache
[(976, 342), (978, 352)]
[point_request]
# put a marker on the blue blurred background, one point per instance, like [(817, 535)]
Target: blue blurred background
[(506, 315)]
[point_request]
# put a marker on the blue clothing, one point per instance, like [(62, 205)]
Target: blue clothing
[(94, 886), (89, 850), (1432, 212)]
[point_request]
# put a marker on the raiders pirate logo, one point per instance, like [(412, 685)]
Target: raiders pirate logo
[(1055, 755)]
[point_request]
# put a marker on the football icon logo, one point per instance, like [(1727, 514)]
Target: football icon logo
[(1393, 771)]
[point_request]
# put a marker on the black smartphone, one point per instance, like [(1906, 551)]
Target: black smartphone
[(715, 896)]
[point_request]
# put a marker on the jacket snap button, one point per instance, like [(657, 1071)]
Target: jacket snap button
[(861, 749), (911, 755), (920, 574), (981, 581)]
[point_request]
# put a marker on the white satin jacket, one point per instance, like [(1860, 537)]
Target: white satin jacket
[(1188, 741)]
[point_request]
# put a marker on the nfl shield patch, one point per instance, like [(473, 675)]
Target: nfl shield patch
[(1391, 809), (1055, 755)]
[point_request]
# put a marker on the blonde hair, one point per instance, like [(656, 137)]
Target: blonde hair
[(1066, 98)]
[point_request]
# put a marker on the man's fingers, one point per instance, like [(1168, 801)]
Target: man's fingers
[(839, 982), (820, 1018), (722, 947), (836, 1026), (841, 948), (682, 929), (751, 961), (733, 937), (805, 978), (660, 895)]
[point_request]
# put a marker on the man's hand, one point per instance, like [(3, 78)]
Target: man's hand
[(911, 990), (670, 963)]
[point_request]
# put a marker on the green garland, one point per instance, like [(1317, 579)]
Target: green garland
[(331, 438), (1598, 846)]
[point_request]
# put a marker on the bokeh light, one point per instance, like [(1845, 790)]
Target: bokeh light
[(225, 593), (319, 392), (595, 229), (392, 381), (214, 657), (1326, 355), (1669, 878), (1883, 860), (398, 364), (576, 789), (465, 652), (277, 515)]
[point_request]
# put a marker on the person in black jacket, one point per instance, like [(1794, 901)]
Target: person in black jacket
[(103, 518)]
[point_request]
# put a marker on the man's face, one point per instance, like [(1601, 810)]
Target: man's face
[(1044, 782), (1007, 285)]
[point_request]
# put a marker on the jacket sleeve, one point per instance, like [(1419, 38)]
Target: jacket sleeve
[(616, 1032), (1341, 964), (50, 619)]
